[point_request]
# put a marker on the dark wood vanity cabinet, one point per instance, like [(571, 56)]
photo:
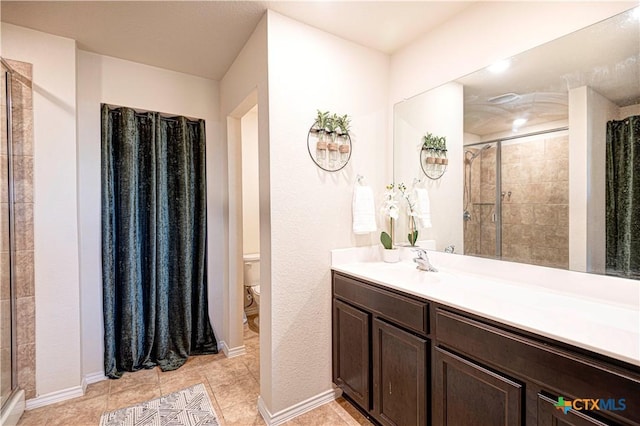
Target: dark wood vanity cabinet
[(399, 375), (465, 393), (381, 352), (408, 361), (525, 376)]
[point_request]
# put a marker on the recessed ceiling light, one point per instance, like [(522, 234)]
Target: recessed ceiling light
[(499, 66), (517, 123)]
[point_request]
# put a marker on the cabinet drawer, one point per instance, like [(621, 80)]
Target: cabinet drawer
[(555, 370), (404, 311)]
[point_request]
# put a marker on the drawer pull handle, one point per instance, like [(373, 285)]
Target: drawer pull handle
[(389, 388)]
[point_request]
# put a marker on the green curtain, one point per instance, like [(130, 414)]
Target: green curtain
[(154, 259), (623, 197)]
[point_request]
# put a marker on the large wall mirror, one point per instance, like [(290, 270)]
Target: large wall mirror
[(543, 154)]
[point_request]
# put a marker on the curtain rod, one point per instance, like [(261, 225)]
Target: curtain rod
[(508, 138), (7, 66), (164, 115)]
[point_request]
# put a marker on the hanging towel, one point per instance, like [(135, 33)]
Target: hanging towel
[(423, 207), (364, 211)]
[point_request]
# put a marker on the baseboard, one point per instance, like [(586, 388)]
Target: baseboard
[(54, 397), (231, 352), (95, 377), (69, 393), (298, 409), (91, 378)]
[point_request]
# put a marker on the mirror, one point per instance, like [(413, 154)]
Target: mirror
[(526, 141)]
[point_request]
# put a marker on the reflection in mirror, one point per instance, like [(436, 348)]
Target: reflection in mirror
[(535, 165)]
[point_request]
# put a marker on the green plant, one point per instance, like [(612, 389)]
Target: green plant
[(431, 141), (321, 120), (412, 236), (344, 124), (386, 241), (331, 123), (389, 209)]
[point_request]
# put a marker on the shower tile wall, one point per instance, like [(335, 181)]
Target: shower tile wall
[(535, 216), (22, 126)]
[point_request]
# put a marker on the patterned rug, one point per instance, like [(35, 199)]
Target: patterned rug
[(187, 407)]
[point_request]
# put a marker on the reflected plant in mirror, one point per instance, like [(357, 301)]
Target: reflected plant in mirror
[(536, 153), (412, 213)]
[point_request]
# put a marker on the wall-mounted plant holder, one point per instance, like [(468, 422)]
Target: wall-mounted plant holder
[(433, 156), (433, 162), (330, 152), (328, 141)]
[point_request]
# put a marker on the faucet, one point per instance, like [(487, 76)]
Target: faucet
[(423, 261), (449, 249)]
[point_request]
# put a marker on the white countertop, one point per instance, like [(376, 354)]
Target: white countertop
[(567, 313)]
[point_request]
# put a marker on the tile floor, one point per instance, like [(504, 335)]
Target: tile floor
[(232, 384)]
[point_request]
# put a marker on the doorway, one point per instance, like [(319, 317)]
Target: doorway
[(250, 219)]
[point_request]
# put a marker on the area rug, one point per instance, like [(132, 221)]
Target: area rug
[(186, 407)]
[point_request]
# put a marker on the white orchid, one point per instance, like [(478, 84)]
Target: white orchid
[(411, 211), (389, 209)]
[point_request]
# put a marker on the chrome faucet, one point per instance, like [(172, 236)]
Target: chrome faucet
[(423, 261)]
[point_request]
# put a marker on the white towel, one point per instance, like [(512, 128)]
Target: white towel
[(364, 211), (423, 207)]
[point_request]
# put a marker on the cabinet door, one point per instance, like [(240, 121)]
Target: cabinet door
[(399, 376), (351, 352), (549, 415), (471, 395)]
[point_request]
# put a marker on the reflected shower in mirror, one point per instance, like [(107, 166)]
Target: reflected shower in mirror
[(527, 151)]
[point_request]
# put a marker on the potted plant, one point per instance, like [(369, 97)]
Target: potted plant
[(343, 125), (332, 146), (319, 127), (412, 236), (435, 147), (390, 211)]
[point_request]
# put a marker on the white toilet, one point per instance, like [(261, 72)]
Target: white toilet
[(252, 283)]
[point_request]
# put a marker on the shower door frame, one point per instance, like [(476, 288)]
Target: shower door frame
[(11, 212), (498, 200)]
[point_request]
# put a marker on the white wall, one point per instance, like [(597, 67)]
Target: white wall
[(311, 208), (250, 183), (103, 79), (57, 289)]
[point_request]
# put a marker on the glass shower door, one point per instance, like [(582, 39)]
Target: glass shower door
[(7, 295), (481, 212)]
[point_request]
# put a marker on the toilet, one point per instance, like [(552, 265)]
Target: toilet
[(252, 283)]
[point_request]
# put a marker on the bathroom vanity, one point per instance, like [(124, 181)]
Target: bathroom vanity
[(404, 355)]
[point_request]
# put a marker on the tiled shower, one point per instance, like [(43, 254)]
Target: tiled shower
[(17, 292), (517, 200)]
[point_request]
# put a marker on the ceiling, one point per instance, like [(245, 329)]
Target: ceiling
[(204, 37), (604, 56)]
